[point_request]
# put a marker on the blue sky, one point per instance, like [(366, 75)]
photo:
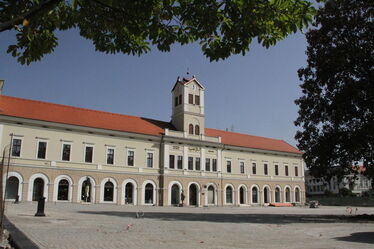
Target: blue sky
[(261, 86)]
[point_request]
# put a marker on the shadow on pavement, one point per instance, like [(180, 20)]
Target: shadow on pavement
[(364, 237), (234, 218)]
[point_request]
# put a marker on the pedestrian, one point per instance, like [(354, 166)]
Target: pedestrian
[(182, 197)]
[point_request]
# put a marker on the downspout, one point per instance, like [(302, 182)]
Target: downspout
[(161, 172), (222, 176)]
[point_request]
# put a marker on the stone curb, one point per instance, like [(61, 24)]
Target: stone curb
[(17, 238)]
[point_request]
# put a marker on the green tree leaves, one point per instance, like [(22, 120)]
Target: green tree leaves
[(222, 28), (337, 107)]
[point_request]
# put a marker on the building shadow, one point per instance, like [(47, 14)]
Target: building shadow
[(232, 218), (363, 237)]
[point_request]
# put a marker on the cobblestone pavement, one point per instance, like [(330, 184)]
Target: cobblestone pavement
[(78, 226)]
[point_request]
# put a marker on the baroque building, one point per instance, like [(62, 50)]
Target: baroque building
[(70, 154)]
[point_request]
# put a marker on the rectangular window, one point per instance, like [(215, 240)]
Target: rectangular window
[(286, 170), (276, 169), (265, 169), (149, 160), (130, 157), (207, 164), (176, 101), (254, 168), (16, 147), (110, 156), (180, 162), (228, 164), (88, 155), (242, 167), (214, 162), (180, 99), (190, 98), (42, 149), (66, 148), (197, 100), (296, 171), (197, 163), (190, 163), (171, 161)]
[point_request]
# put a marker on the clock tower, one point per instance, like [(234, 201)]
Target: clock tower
[(188, 106)]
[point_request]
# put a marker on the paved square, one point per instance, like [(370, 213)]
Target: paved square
[(77, 226)]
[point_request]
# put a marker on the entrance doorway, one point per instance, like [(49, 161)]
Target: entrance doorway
[(129, 193), (108, 191), (175, 195), (193, 195), (12, 185), (63, 190), (86, 190), (242, 198), (266, 195), (211, 196), (38, 189)]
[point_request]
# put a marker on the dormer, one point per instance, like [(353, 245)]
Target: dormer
[(188, 106)]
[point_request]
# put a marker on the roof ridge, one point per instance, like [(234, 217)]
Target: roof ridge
[(246, 134), (79, 108)]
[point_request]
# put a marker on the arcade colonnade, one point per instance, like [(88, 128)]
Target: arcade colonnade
[(145, 191)]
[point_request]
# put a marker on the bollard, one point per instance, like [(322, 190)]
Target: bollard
[(16, 201), (41, 203)]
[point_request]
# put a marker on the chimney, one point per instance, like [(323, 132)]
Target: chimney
[(1, 86)]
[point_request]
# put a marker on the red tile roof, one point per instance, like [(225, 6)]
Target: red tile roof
[(44, 111), (245, 140), (38, 110), (359, 168)]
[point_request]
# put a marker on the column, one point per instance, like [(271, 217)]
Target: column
[(201, 101), (302, 168), (166, 156), (202, 159), (185, 98), (219, 160), (185, 157)]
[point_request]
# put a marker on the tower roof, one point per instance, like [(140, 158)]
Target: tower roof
[(186, 81)]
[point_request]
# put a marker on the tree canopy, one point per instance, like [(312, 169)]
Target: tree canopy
[(222, 27), (336, 111)]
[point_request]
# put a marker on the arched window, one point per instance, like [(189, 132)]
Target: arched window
[(297, 195), (197, 130), (288, 195), (254, 195), (108, 191), (190, 129), (277, 195), (63, 190), (228, 194)]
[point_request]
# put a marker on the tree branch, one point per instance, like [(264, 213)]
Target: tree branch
[(47, 5)]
